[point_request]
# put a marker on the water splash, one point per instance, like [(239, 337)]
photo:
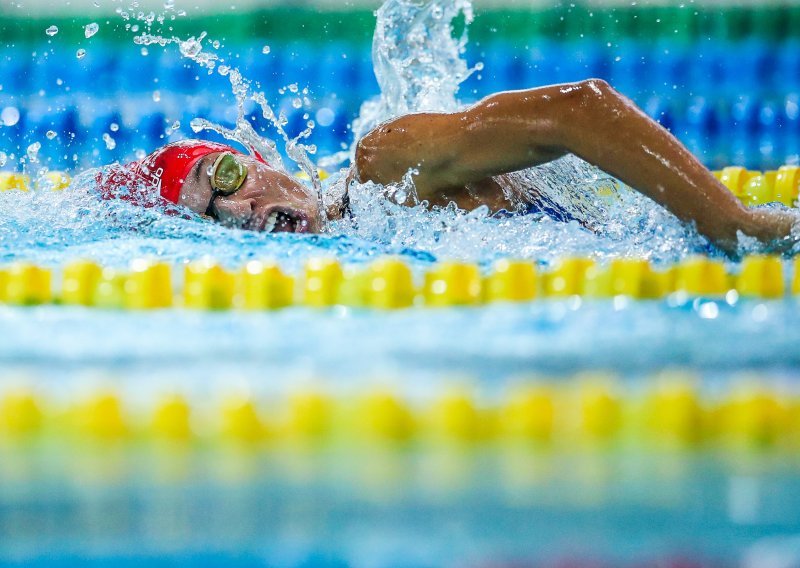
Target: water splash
[(243, 91), (417, 60), (423, 74), (419, 63)]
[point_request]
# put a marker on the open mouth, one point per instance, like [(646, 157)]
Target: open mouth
[(282, 221)]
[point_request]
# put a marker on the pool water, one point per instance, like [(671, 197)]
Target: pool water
[(89, 475)]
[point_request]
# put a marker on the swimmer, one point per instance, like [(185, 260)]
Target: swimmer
[(461, 157)]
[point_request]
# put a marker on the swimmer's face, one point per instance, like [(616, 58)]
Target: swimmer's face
[(266, 200)]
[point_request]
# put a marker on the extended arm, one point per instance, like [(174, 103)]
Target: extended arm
[(513, 130)]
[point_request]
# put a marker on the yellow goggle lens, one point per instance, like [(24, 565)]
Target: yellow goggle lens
[(228, 175)]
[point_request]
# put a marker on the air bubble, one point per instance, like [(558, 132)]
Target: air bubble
[(80, 54), (50, 134), (51, 31), (156, 96), (113, 127), (265, 50), (90, 29), (3, 159)]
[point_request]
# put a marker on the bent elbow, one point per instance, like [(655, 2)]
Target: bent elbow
[(588, 98), (597, 87), (596, 91)]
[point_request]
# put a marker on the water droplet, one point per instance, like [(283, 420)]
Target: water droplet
[(110, 142), (144, 52), (3, 159), (156, 96), (175, 125), (297, 103), (90, 29), (265, 50), (325, 116), (80, 53), (293, 87), (113, 127), (9, 116), (191, 47), (479, 66), (50, 134), (33, 151), (51, 31)]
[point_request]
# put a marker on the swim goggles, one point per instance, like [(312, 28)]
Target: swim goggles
[(227, 176)]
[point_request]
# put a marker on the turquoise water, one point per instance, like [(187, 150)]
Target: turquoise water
[(394, 509), (370, 507)]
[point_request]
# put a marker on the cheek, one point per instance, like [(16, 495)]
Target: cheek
[(194, 199), (233, 208)]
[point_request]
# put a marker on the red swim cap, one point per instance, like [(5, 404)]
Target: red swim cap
[(160, 173)]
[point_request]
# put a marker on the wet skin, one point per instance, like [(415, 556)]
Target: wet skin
[(461, 157), (265, 191), (463, 154)]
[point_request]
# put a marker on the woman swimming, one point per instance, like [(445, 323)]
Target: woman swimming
[(461, 157)]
